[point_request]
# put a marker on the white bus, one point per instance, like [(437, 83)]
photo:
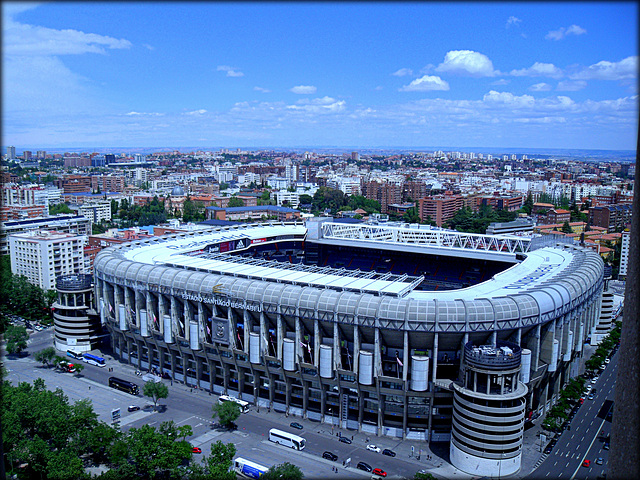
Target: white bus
[(247, 469), (287, 439), (244, 406)]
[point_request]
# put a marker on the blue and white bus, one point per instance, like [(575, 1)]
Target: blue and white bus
[(247, 469), (93, 360), (76, 355), (287, 439)]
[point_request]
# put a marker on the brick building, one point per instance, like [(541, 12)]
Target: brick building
[(612, 217), (383, 192), (439, 208)]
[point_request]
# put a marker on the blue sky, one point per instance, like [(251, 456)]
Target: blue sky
[(520, 75)]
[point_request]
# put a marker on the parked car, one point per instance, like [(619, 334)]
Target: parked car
[(364, 466), (388, 452), (330, 456), (591, 396), (296, 425), (373, 448), (345, 440), (380, 472), (196, 450), (599, 461), (606, 360), (594, 380), (586, 463), (133, 408), (606, 446)]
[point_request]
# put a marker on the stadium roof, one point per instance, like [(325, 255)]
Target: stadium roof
[(187, 251)]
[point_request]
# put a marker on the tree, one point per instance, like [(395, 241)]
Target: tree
[(412, 216), (59, 208), (566, 228), (79, 367), (219, 463), (226, 412), (16, 337), (423, 476), (235, 202), (185, 431), (156, 391), (45, 355), (283, 471)]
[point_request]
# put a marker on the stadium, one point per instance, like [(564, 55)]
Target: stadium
[(399, 330)]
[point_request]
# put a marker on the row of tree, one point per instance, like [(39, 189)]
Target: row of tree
[(574, 390), (44, 436)]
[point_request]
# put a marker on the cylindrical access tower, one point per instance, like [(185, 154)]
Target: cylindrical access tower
[(76, 323), (488, 411)]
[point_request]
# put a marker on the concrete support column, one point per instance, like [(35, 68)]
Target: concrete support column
[(434, 367), (172, 353), (233, 331), (187, 316), (299, 354), (176, 316), (264, 336), (356, 349), (162, 311), (248, 328), (405, 357), (317, 341), (377, 353), (129, 305), (198, 362), (337, 362), (280, 332)]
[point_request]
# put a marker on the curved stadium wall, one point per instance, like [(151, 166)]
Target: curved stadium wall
[(363, 350)]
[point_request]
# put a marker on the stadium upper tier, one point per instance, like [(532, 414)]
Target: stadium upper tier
[(546, 283)]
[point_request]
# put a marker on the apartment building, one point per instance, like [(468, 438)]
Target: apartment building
[(612, 217), (384, 192), (96, 211), (624, 254), (439, 208), (43, 255), (67, 223)]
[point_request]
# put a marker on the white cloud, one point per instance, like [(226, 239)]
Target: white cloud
[(24, 39), (467, 62), (513, 21), (148, 47), (403, 72), (571, 85), (260, 89), (304, 89), (604, 70), (151, 114), (502, 81), (319, 105), (507, 98), (425, 84), (230, 71), (540, 87), (563, 32), (539, 69), (201, 111)]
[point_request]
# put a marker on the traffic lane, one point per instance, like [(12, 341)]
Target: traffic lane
[(585, 427), (317, 444)]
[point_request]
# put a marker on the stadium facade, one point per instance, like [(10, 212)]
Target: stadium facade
[(463, 342)]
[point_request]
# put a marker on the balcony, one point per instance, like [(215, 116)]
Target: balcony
[(502, 356)]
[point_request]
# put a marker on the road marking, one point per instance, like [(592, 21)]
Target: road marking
[(585, 455), (185, 420)]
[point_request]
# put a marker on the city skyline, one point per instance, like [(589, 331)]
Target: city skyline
[(543, 76)]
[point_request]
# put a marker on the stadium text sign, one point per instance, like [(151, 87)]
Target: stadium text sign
[(223, 302)]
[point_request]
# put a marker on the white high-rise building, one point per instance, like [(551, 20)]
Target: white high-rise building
[(11, 153), (624, 254), (43, 255)]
